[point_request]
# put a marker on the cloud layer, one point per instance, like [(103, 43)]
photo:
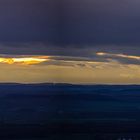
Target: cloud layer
[(74, 41)]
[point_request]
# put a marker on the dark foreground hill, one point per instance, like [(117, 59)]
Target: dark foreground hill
[(64, 111)]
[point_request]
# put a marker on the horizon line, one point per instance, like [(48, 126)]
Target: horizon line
[(64, 83)]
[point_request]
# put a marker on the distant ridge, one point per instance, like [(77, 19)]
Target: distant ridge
[(70, 84)]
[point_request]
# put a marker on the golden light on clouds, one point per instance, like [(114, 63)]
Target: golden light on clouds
[(118, 55), (101, 53), (64, 69), (24, 60)]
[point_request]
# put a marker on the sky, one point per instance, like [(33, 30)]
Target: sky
[(70, 41)]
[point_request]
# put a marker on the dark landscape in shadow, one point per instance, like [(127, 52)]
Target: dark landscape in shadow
[(65, 111)]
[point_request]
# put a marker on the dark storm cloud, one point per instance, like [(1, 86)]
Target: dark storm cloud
[(27, 20), (70, 21), (69, 27), (39, 48), (67, 22), (100, 22)]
